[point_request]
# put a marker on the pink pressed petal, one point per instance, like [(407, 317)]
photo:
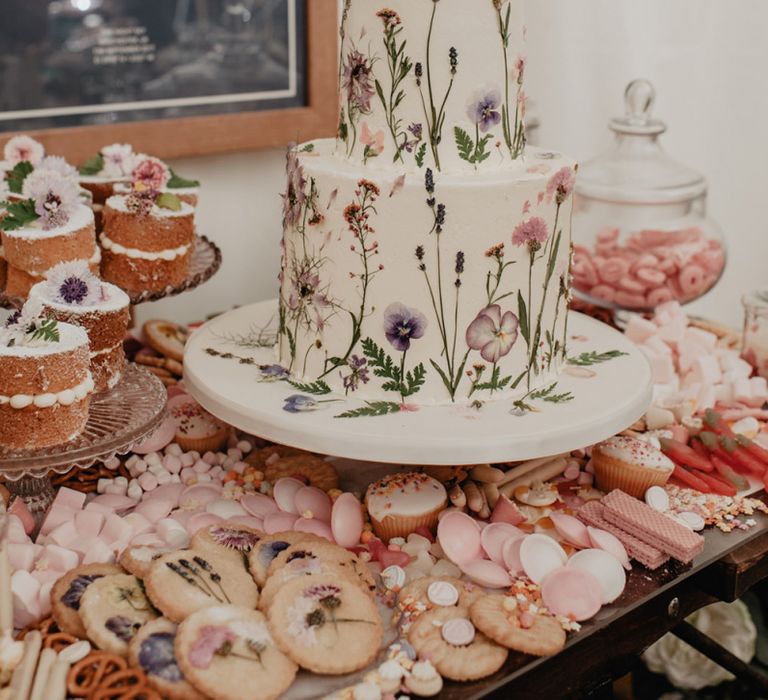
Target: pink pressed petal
[(480, 332)]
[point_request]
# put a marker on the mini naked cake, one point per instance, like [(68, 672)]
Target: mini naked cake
[(49, 225), (400, 503), (73, 294), (149, 235), (45, 381), (630, 464), (187, 191), (110, 167)]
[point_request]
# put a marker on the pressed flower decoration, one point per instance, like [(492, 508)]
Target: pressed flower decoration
[(74, 283), (23, 149), (357, 83), (483, 110)]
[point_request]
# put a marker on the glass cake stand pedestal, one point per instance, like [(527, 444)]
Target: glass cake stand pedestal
[(119, 419), (605, 387), (205, 263)]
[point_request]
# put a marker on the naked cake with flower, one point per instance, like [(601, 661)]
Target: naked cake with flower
[(45, 380), (73, 294), (149, 234), (45, 222), (426, 250)]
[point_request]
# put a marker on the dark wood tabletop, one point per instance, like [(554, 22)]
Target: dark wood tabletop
[(652, 604)]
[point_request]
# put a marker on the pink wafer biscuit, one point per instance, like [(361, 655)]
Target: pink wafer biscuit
[(654, 528), (591, 513)]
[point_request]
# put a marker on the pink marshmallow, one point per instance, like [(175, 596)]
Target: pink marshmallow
[(89, 522), (148, 481), (20, 510), (14, 531), (25, 589), (663, 369), (639, 329), (172, 533), (57, 515), (22, 556), (139, 524), (114, 502), (60, 558), (65, 535), (172, 463), (155, 509), (44, 598), (65, 496)]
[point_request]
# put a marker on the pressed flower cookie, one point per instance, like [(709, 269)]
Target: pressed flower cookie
[(268, 548), (185, 581), (228, 653), (314, 469), (457, 650), (222, 538), (112, 609), (326, 624), (67, 592), (152, 650), (138, 560), (501, 618), (440, 591)]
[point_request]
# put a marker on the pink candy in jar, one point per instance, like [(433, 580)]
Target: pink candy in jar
[(648, 268)]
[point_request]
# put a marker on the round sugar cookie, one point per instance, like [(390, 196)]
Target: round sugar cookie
[(166, 338), (138, 560), (326, 624), (113, 608), (182, 582), (228, 539), (67, 592), (457, 650), (314, 469), (152, 650), (268, 548), (498, 617), (228, 653)]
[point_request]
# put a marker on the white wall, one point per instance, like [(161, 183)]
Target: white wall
[(709, 62)]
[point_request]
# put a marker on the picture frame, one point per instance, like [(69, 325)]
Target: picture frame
[(248, 130)]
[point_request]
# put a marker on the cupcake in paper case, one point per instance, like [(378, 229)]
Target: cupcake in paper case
[(196, 429), (400, 503), (630, 464)]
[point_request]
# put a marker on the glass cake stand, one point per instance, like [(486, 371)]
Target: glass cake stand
[(119, 419), (205, 263)]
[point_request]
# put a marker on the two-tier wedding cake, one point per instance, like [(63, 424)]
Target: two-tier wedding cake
[(426, 250)]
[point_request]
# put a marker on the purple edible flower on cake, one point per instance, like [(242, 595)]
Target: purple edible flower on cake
[(402, 324), (483, 108), (357, 82), (55, 197), (359, 373), (492, 333), (532, 233)]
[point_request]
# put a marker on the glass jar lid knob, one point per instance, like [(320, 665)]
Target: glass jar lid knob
[(639, 99)]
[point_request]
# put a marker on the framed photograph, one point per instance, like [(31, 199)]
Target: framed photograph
[(175, 78)]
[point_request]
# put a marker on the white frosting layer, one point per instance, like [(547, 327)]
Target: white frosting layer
[(118, 203), (322, 283), (82, 217), (70, 338), (114, 299), (408, 494), (472, 28), (101, 179), (167, 255), (634, 451), (64, 398)]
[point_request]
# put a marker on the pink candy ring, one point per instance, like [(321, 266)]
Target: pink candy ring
[(658, 296), (494, 536), (284, 493), (571, 529), (650, 277), (314, 527), (603, 292), (613, 271), (511, 555), (572, 593), (487, 573), (629, 300), (347, 520), (201, 520), (279, 522), (540, 555), (159, 439), (608, 542), (608, 235), (314, 501), (459, 536), (258, 505), (605, 568), (691, 281)]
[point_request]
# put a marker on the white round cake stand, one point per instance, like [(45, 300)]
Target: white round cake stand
[(222, 370)]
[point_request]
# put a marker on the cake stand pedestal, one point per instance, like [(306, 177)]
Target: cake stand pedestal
[(222, 371), (119, 419)]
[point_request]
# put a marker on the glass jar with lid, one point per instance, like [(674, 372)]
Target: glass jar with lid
[(755, 348), (642, 236)]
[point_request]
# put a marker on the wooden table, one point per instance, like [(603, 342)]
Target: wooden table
[(653, 603)]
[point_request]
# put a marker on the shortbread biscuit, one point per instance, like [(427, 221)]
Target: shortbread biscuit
[(469, 657), (499, 618), (67, 591), (314, 469), (152, 650), (112, 609), (228, 653), (268, 548), (138, 560), (235, 541), (326, 624), (183, 582)]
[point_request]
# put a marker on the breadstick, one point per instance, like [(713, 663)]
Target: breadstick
[(474, 497), (524, 468), (21, 681), (485, 512), (57, 681), (457, 496), (545, 472), (486, 474), (491, 492), (42, 675)]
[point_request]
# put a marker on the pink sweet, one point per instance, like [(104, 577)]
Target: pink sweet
[(572, 593), (603, 292), (539, 555), (89, 522), (201, 520), (613, 270), (627, 284), (347, 520), (199, 495), (258, 505), (314, 501), (14, 531), (26, 604), (608, 235), (225, 508), (115, 529), (139, 524), (59, 558), (511, 555), (172, 463), (57, 515), (247, 521), (630, 300), (571, 529), (20, 510), (495, 536), (692, 281), (155, 509), (147, 539), (314, 527), (650, 277), (389, 557), (284, 493), (505, 511), (279, 522), (459, 536), (69, 498), (486, 573), (159, 439), (98, 553), (22, 556), (113, 502), (170, 492), (608, 542), (64, 535)]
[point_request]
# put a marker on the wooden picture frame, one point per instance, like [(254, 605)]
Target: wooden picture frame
[(225, 133)]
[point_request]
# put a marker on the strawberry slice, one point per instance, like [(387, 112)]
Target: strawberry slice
[(690, 480), (757, 451), (717, 485), (744, 458), (683, 455), (726, 472), (390, 557)]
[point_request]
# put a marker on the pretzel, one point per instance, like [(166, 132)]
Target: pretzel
[(45, 626), (126, 684), (86, 675), (58, 641)]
